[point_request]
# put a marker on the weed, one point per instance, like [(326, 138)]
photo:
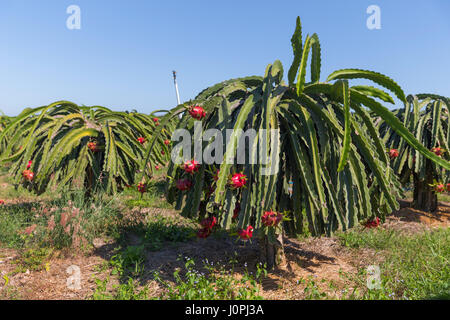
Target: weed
[(129, 261), (33, 260)]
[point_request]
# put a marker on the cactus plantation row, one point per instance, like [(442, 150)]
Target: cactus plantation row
[(338, 157), (427, 117)]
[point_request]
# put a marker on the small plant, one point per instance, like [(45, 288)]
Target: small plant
[(33, 260), (129, 261)]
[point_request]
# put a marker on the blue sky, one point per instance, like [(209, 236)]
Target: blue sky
[(123, 55)]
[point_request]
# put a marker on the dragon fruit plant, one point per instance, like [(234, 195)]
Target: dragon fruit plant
[(64, 145), (427, 118), (333, 170), (4, 122)]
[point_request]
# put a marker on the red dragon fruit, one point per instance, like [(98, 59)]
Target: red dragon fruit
[(246, 234), (271, 218), (438, 151), (93, 146), (439, 188), (28, 175), (197, 112), (191, 166), (141, 140), (393, 153), (373, 223), (238, 180)]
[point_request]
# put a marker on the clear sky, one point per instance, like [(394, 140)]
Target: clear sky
[(124, 53)]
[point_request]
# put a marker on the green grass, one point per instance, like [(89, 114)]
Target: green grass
[(153, 198), (129, 261), (414, 266), (94, 217), (212, 283), (127, 264), (99, 216), (8, 292), (378, 239), (122, 291)]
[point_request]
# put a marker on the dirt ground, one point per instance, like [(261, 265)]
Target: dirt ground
[(318, 258)]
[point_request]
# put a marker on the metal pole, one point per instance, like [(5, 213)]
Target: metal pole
[(176, 86)]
